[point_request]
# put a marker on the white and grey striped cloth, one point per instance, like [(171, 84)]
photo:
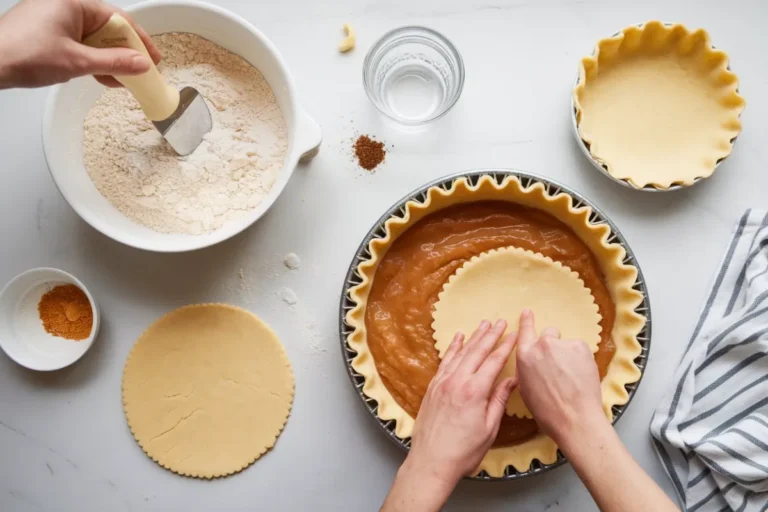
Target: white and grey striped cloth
[(711, 430)]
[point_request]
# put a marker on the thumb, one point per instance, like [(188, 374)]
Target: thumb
[(497, 405), (110, 61)]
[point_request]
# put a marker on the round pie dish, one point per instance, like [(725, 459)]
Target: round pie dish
[(588, 242), (656, 107)]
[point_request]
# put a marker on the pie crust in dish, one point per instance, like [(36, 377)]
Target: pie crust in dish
[(207, 390), (657, 105), (621, 337), (501, 283)]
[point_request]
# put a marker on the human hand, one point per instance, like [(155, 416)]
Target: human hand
[(40, 44), (458, 420), (462, 409), (560, 385), (558, 380)]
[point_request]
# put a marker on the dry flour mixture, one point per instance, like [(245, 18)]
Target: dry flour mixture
[(229, 174)]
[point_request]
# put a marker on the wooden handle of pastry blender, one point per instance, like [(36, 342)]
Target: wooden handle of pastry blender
[(158, 99)]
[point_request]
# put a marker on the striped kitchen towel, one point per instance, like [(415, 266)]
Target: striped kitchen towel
[(711, 429)]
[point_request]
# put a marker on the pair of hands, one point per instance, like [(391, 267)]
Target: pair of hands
[(41, 44), (462, 410), (463, 407), (559, 381)]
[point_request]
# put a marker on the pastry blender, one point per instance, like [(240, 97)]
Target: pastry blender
[(182, 117)]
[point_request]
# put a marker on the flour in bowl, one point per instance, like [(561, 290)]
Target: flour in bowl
[(228, 175)]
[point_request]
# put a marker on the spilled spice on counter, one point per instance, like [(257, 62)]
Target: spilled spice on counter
[(369, 152), (66, 312)]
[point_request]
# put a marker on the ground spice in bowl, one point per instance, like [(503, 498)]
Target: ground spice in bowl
[(66, 312), (369, 152)]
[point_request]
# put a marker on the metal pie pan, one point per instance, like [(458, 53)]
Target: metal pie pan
[(377, 231), (604, 169)]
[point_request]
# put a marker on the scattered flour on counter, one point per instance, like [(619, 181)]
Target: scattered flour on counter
[(244, 283), (313, 341), (228, 175), (269, 270), (292, 261), (288, 296), (312, 338)]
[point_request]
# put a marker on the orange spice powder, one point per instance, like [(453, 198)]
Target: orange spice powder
[(66, 312)]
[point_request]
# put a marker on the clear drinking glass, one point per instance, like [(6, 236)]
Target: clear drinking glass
[(413, 75)]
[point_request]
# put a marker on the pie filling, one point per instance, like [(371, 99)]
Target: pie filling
[(411, 274)]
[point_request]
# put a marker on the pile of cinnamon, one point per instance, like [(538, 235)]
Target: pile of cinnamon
[(369, 152)]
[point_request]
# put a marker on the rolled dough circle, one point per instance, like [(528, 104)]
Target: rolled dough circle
[(499, 284), (207, 390)]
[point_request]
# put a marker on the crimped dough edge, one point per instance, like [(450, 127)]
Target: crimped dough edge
[(684, 40), (267, 447), (620, 278)]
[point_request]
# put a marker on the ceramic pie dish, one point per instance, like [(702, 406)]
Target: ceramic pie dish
[(563, 217), (656, 106)]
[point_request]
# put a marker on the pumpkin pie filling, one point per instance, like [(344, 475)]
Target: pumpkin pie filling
[(412, 272)]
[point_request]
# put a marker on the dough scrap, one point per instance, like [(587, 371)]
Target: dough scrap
[(499, 284), (349, 41), (207, 390)]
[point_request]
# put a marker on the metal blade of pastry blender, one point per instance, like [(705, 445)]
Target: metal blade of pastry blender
[(187, 126), (182, 117)]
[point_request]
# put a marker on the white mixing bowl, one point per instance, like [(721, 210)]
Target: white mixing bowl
[(68, 104)]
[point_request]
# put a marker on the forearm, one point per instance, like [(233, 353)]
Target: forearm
[(13, 50), (6, 57), (416, 489), (613, 478)]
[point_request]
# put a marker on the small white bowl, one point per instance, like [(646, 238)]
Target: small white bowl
[(68, 104), (22, 336)]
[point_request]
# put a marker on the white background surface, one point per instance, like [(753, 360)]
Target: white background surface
[(64, 444)]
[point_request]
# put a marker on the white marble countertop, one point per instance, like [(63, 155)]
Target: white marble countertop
[(64, 444)]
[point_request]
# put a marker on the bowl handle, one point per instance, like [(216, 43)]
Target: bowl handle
[(309, 137)]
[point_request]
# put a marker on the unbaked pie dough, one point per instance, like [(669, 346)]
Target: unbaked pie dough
[(503, 282), (207, 390), (657, 105)]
